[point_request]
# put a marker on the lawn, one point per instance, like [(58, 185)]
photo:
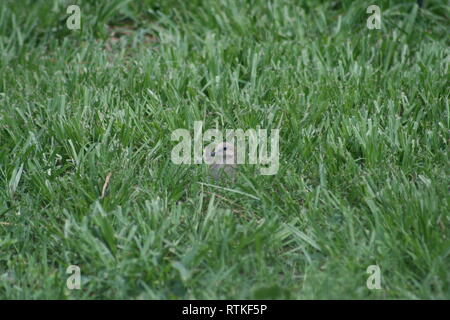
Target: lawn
[(87, 179)]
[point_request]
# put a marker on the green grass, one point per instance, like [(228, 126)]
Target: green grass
[(364, 132)]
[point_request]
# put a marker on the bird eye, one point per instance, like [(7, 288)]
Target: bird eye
[(225, 148), (213, 154)]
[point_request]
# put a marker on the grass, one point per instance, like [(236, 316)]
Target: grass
[(364, 167)]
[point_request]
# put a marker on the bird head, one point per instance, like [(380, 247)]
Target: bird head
[(224, 151)]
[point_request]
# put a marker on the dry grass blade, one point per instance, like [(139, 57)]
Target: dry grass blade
[(105, 185)]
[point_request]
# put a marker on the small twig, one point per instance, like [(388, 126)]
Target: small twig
[(240, 212), (441, 225), (231, 190), (225, 199), (105, 185)]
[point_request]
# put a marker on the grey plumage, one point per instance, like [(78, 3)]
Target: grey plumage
[(223, 161)]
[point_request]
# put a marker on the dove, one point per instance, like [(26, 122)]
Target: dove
[(222, 161)]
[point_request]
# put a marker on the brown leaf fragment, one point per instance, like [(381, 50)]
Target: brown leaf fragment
[(105, 185)]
